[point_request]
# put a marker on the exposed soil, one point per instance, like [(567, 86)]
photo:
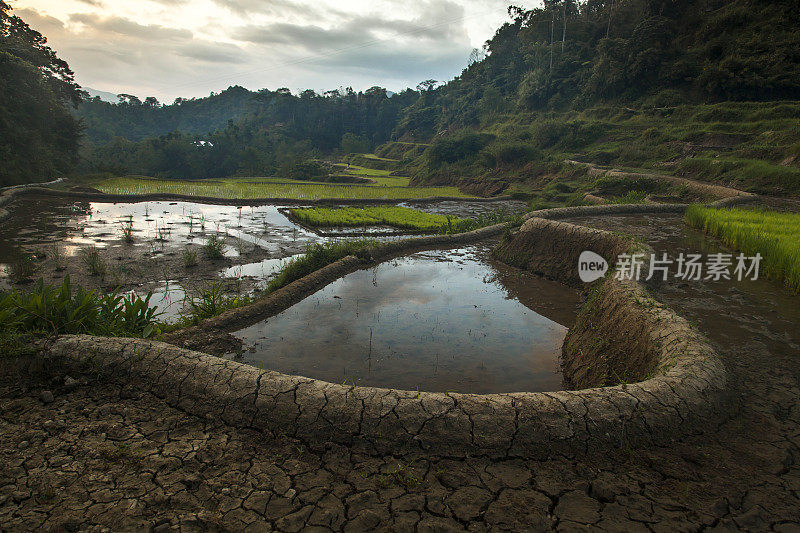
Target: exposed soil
[(99, 457)]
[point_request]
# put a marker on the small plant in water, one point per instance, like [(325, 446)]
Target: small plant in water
[(214, 247), (96, 264), (23, 269), (127, 230), (210, 300), (59, 258), (189, 258)]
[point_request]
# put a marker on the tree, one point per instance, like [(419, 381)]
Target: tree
[(129, 99), (427, 86), (39, 136)]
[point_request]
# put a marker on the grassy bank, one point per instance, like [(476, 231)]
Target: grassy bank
[(383, 215), (776, 236), (753, 146), (248, 188)]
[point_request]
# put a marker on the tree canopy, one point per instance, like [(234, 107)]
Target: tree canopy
[(38, 134)]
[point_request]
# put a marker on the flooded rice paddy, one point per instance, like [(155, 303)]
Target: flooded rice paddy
[(443, 320), (753, 318), (258, 242)]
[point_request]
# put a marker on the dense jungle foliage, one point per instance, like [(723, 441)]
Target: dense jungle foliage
[(276, 135), (38, 134)]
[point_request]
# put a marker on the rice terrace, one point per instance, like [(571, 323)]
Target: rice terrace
[(559, 291)]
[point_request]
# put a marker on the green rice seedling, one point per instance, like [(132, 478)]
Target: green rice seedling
[(242, 188), (59, 258), (214, 248), (384, 215), (127, 230), (23, 269), (189, 258), (96, 264), (776, 236)]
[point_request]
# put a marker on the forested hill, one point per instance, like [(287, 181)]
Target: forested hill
[(572, 54), (38, 135), (279, 131), (135, 119)]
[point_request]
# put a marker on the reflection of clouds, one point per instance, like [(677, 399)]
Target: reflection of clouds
[(431, 321)]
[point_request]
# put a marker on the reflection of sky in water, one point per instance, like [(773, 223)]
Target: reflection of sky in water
[(435, 321)]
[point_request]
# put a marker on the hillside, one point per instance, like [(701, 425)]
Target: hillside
[(704, 88), (38, 135)]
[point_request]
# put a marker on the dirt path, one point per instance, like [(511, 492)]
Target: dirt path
[(711, 190), (102, 457)]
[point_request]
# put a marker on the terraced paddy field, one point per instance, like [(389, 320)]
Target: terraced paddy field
[(165, 250), (442, 320), (254, 188)]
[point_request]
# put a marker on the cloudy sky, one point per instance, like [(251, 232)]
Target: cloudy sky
[(170, 48)]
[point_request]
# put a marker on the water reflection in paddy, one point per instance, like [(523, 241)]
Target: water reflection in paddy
[(437, 321)]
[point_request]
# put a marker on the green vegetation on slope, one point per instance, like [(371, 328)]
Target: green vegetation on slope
[(776, 236), (254, 188), (317, 256), (754, 146), (576, 54), (384, 215), (38, 135)]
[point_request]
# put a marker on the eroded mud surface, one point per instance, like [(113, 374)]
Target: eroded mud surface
[(103, 457), (441, 320)]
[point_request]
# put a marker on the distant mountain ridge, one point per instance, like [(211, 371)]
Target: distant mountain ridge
[(103, 95)]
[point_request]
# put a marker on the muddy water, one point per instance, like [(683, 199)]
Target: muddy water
[(744, 317), (161, 231), (445, 320), (467, 209)]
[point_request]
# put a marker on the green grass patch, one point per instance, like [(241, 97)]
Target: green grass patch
[(384, 215), (66, 309), (318, 256), (241, 189), (776, 236)]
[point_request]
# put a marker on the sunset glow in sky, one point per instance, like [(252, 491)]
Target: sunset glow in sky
[(170, 48)]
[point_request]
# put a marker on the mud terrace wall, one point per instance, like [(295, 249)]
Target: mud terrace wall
[(621, 334), (687, 384)]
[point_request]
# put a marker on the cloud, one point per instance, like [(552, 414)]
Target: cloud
[(100, 25), (265, 7), (186, 48)]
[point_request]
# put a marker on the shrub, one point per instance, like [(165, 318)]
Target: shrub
[(510, 154), (60, 310), (457, 148)]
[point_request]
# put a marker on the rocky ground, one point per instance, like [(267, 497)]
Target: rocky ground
[(99, 457)]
